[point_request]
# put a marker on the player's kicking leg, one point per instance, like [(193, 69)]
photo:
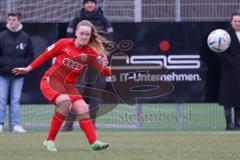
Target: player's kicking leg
[(87, 126)]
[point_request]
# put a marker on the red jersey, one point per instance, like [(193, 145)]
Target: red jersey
[(70, 61)]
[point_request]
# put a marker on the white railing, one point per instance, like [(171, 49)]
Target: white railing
[(124, 10)]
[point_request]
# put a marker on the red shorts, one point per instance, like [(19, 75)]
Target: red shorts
[(52, 89)]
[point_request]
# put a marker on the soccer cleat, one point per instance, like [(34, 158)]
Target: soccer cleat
[(98, 145), (18, 129), (50, 145)]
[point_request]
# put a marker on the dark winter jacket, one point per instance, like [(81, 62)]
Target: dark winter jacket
[(15, 50), (96, 17), (230, 73)]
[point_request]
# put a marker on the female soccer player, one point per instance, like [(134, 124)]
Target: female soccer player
[(58, 84)]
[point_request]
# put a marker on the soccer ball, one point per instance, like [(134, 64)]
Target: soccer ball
[(219, 40)]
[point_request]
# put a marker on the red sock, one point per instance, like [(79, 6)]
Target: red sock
[(88, 129), (57, 121)]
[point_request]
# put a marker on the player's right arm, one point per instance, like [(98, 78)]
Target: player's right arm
[(50, 52)]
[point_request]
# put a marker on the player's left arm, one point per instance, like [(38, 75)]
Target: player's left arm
[(100, 62)]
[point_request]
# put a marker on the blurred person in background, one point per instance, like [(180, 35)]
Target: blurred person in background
[(223, 75), (95, 15), (15, 50), (230, 76)]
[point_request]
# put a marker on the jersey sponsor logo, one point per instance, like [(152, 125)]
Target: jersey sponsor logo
[(72, 64)]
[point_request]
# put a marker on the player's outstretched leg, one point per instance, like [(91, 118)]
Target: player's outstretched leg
[(87, 126)]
